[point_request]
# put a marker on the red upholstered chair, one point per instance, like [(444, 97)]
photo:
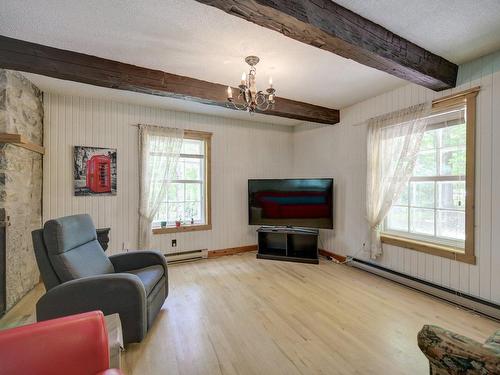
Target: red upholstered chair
[(76, 345)]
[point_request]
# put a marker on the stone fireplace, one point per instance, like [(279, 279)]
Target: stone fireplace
[(21, 112)]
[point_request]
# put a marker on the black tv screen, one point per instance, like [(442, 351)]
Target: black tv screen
[(291, 202)]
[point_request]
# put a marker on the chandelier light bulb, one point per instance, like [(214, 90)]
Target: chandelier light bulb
[(229, 92), (244, 78), (271, 82)]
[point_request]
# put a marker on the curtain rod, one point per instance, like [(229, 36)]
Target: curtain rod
[(457, 95), (186, 131), (436, 101)]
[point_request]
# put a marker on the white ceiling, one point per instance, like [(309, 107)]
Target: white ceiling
[(188, 38), (458, 30)]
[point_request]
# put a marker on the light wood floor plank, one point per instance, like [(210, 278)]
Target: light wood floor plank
[(240, 315)]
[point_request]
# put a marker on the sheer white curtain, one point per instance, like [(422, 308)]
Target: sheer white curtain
[(159, 150), (393, 144)]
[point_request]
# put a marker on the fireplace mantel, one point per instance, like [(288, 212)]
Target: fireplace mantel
[(21, 141)]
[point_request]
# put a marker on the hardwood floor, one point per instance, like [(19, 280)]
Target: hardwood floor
[(24, 311), (240, 315)]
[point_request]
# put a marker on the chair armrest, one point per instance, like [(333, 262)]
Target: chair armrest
[(455, 353), (137, 259), (77, 342), (493, 342), (120, 293)]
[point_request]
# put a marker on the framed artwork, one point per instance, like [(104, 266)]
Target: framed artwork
[(94, 171)]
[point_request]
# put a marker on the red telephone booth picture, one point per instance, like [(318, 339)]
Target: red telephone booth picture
[(94, 171), (99, 174)]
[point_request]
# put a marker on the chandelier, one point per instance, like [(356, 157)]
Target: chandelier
[(249, 99)]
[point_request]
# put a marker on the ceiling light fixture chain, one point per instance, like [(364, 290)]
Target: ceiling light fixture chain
[(249, 99)]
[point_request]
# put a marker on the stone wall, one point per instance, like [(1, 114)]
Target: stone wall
[(21, 112)]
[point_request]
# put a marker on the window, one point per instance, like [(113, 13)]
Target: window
[(432, 205), (187, 197), (434, 213)]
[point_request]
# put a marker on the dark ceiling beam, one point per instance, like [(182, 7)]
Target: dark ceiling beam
[(329, 26), (73, 66)]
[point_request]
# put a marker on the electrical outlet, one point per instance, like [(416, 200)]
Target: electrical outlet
[(174, 243)]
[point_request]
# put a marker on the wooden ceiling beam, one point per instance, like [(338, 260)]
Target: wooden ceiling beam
[(329, 26), (73, 66)]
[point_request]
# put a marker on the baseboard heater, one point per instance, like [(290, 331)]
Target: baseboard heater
[(186, 256), (473, 303)]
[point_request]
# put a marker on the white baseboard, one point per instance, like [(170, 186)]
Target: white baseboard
[(187, 256), (473, 303)]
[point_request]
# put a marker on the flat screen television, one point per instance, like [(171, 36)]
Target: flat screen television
[(299, 202)]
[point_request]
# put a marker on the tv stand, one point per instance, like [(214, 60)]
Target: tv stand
[(289, 244)]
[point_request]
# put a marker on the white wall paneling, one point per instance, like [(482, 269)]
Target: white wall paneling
[(243, 150), (340, 152), (240, 150)]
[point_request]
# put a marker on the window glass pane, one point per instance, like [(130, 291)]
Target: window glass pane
[(426, 164), (192, 169), (179, 172), (397, 219), (192, 210), (422, 194), (422, 221), (192, 146), (453, 136), (403, 197), (162, 212), (391, 146), (451, 195), (453, 161), (451, 224), (175, 192), (175, 211), (193, 192), (156, 186), (429, 140)]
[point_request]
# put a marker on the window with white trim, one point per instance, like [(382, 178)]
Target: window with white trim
[(432, 206)]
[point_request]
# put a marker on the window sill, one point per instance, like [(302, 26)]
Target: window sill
[(182, 228), (428, 248)]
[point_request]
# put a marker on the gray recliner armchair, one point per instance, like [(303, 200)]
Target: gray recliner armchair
[(79, 277)]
